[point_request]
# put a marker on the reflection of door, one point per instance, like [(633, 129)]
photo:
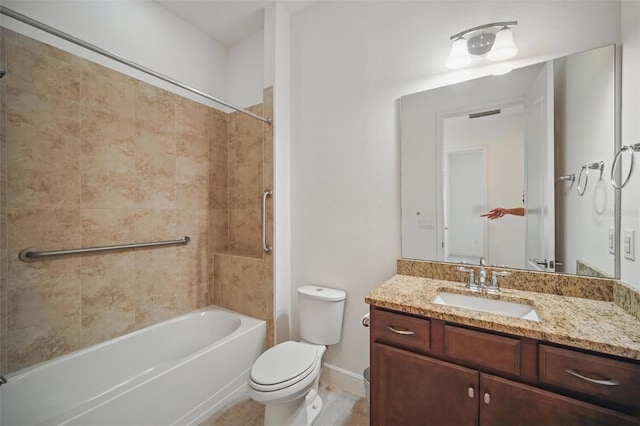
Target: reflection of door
[(464, 228), (539, 189)]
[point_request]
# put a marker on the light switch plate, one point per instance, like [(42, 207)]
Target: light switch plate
[(612, 241), (425, 223), (629, 244)]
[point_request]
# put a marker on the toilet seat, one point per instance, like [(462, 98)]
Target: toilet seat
[(284, 365)]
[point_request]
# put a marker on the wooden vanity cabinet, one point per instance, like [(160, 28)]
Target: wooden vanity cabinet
[(436, 373)]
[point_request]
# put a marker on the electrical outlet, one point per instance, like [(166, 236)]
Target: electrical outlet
[(629, 244), (612, 241)]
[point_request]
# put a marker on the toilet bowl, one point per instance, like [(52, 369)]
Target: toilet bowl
[(285, 378)]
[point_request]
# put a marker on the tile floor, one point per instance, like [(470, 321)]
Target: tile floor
[(340, 408)]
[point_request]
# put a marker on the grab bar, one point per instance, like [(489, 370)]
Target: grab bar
[(587, 167), (31, 254), (631, 149), (266, 248)]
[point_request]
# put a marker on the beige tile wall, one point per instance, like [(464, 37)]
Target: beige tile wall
[(93, 157), (242, 273)]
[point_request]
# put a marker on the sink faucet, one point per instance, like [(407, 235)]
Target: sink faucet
[(482, 275), (481, 285)]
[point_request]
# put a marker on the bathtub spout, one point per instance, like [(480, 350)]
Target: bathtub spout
[(2, 380)]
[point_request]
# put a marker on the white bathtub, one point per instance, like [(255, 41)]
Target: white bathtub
[(176, 372)]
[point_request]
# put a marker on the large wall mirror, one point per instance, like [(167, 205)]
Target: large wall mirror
[(537, 142)]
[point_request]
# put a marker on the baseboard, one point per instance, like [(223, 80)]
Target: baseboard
[(343, 379)]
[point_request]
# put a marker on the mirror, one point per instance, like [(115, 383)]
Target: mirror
[(537, 142)]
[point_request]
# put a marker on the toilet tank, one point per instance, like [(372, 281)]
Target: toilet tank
[(321, 312)]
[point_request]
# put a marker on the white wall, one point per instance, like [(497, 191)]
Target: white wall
[(278, 74), (142, 32), (630, 131), (351, 62), (246, 71)]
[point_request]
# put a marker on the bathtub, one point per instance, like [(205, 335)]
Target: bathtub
[(178, 372)]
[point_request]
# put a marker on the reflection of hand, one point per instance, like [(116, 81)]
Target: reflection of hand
[(496, 213)]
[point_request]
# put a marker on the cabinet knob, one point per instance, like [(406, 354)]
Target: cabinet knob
[(487, 398), (470, 392)]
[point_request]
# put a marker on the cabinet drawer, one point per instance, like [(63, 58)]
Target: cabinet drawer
[(483, 349), (605, 378), (400, 329)]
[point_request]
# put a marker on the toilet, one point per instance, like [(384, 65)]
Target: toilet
[(285, 377)]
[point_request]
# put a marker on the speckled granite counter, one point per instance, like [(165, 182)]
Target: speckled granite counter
[(596, 325)]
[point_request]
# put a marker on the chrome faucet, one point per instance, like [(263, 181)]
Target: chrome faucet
[(482, 275), (481, 285)]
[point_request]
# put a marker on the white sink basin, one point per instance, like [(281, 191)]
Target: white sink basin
[(492, 306)]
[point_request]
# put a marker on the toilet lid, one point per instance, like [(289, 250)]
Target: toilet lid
[(284, 363)]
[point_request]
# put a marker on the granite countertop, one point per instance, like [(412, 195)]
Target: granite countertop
[(595, 325)]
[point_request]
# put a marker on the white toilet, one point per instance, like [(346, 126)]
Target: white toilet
[(285, 377)]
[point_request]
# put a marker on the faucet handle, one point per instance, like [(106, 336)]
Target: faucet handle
[(472, 279), (471, 283), (495, 288)]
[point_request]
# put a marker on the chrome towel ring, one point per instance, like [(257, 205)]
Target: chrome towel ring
[(585, 169), (631, 149)]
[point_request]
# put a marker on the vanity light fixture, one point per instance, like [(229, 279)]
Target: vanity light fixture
[(495, 41)]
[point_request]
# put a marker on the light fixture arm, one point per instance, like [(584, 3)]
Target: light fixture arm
[(482, 27)]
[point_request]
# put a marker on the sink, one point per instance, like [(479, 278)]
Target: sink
[(492, 306)]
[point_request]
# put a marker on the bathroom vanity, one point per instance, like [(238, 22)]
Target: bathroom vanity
[(444, 365)]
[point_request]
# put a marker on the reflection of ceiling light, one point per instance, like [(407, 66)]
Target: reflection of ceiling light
[(493, 40)]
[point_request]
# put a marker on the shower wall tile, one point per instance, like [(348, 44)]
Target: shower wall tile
[(44, 320), (46, 229), (108, 142), (242, 273), (36, 172), (4, 313), (155, 192), (155, 224), (109, 278), (92, 157), (108, 191), (192, 121), (36, 67), (102, 227), (106, 89), (155, 281), (98, 158), (219, 229)]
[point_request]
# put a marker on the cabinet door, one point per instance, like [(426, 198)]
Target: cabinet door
[(412, 389), (504, 403)]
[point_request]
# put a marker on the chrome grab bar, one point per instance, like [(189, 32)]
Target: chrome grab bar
[(631, 149), (31, 254), (266, 248)]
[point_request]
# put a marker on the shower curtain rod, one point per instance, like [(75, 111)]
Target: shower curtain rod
[(39, 25)]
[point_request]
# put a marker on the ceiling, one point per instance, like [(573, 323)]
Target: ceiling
[(227, 21)]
